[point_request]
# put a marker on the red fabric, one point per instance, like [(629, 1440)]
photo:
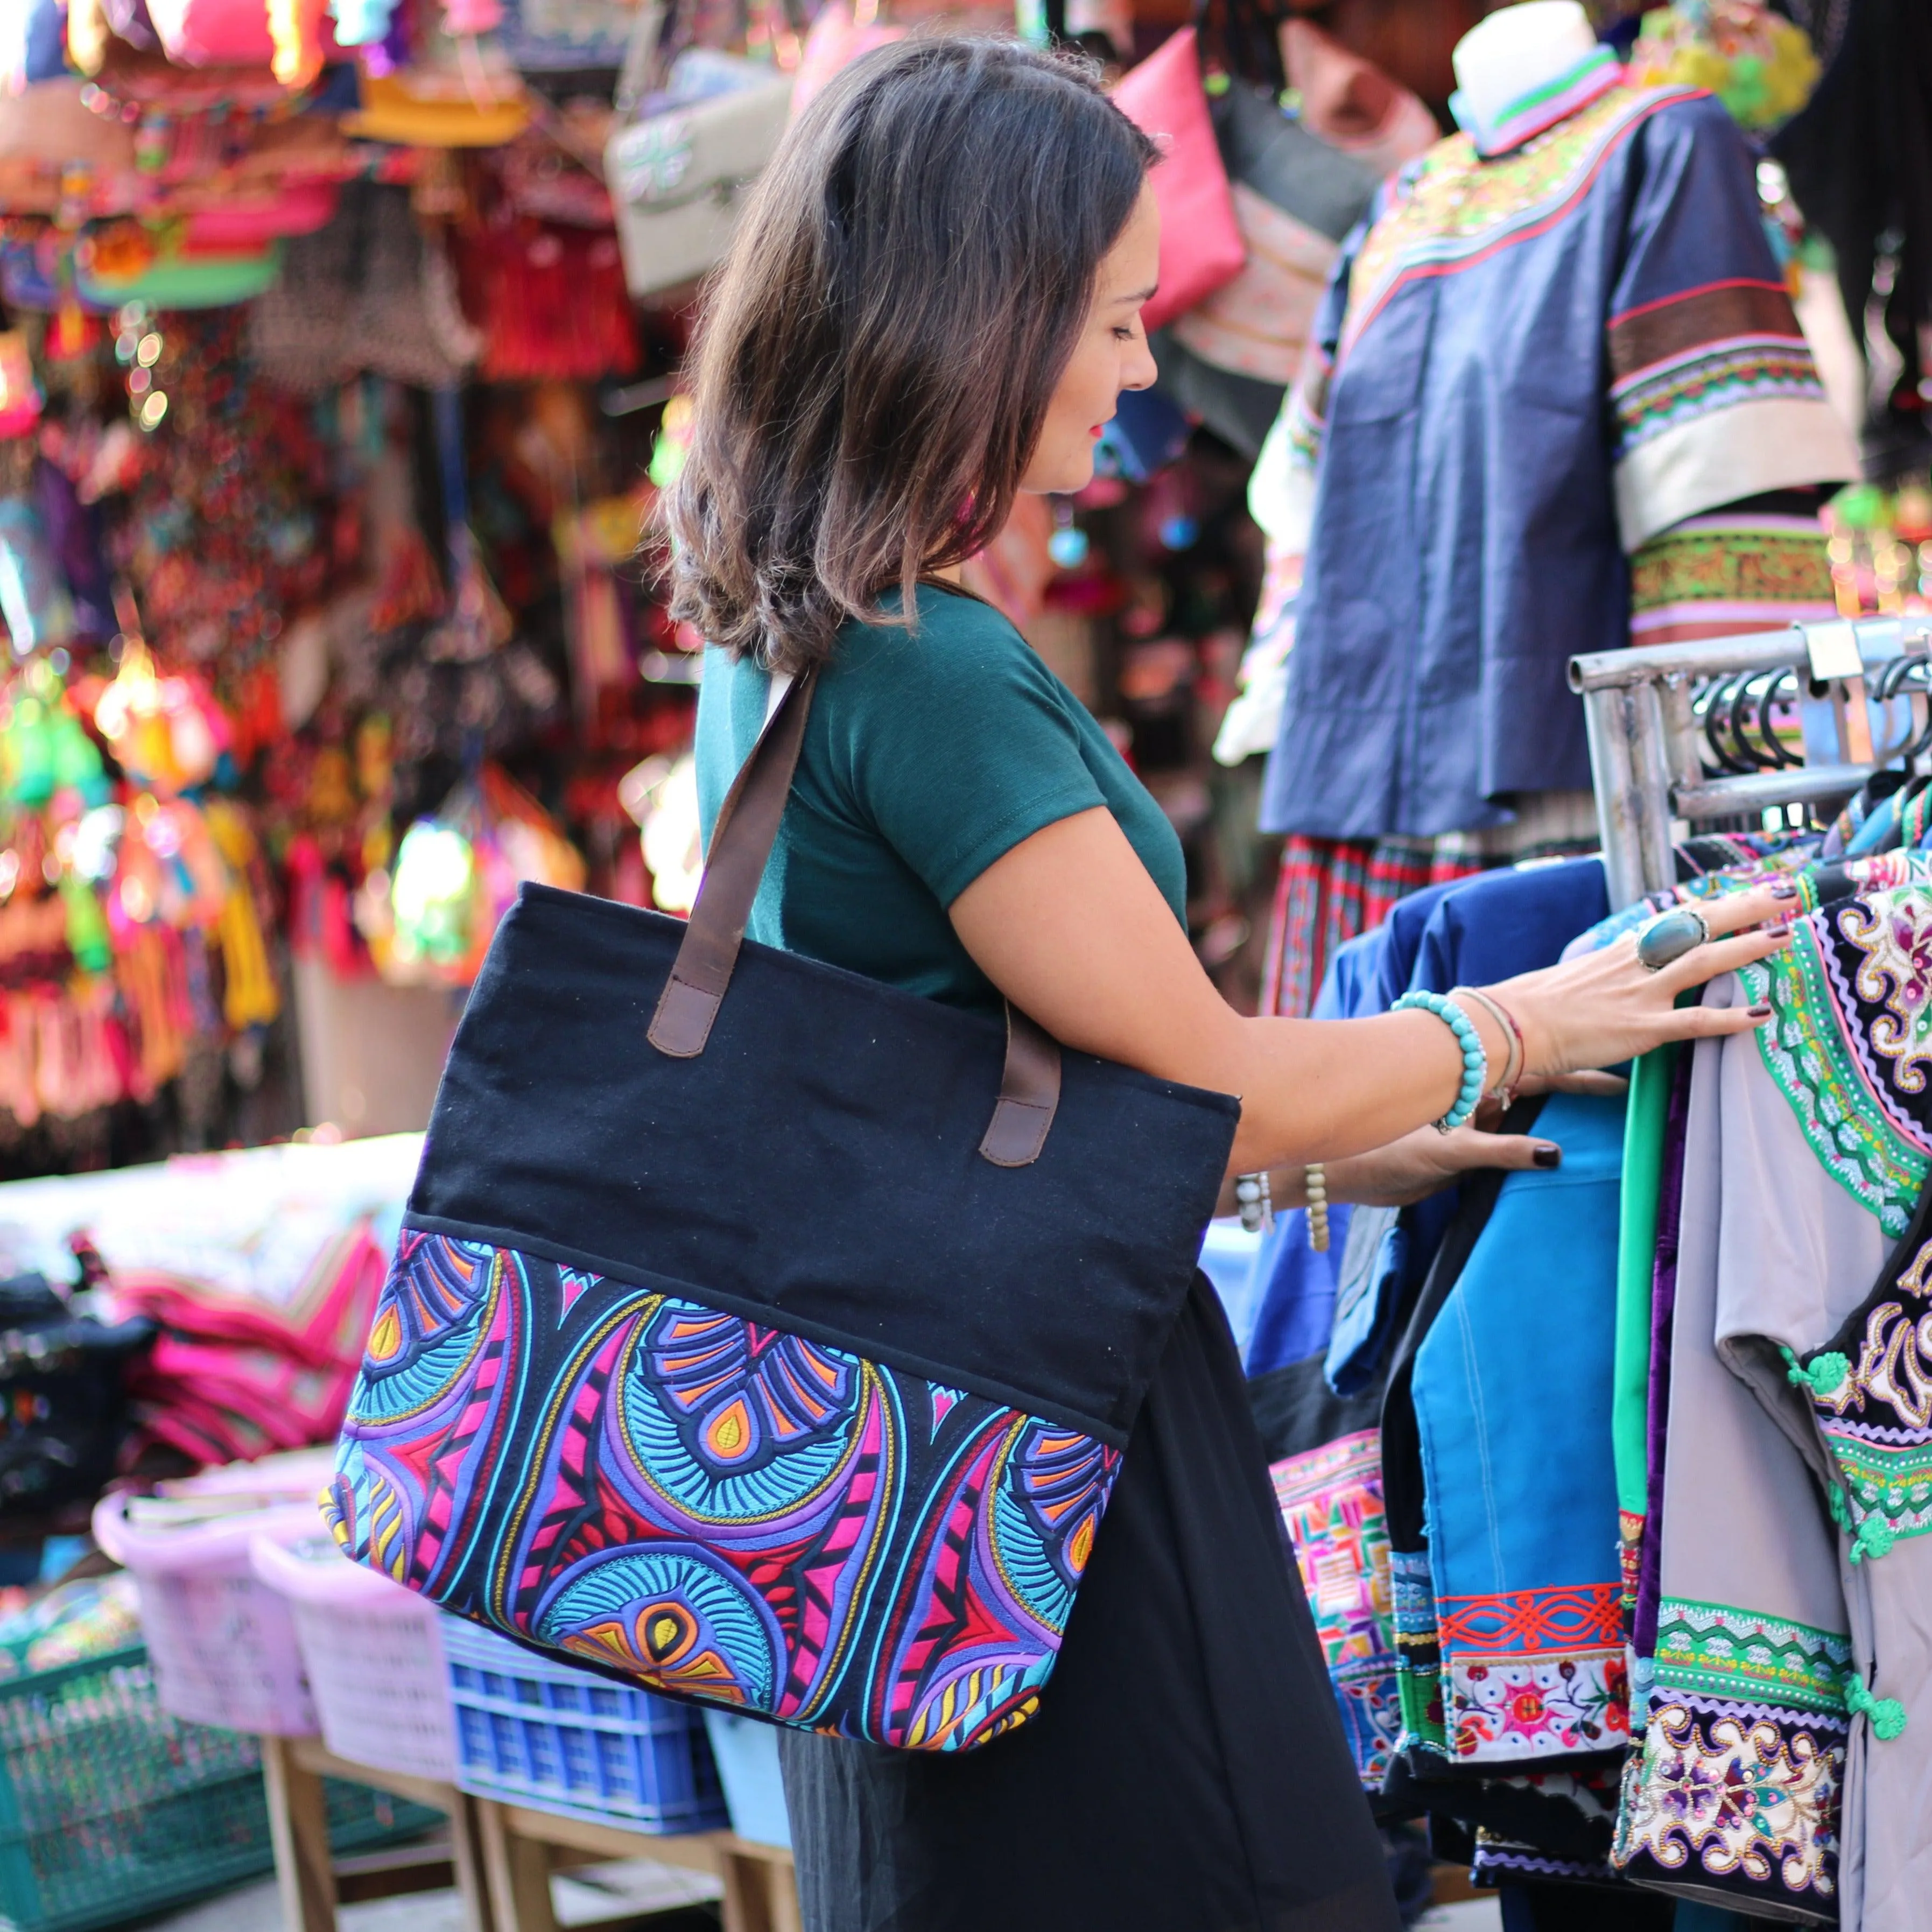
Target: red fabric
[(1201, 246)]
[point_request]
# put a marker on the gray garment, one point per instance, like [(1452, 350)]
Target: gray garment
[(1791, 1276), (1752, 1626)]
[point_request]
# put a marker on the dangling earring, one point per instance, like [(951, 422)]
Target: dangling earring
[(1067, 546)]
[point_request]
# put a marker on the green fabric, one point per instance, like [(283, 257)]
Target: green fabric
[(1636, 1261), (929, 755)]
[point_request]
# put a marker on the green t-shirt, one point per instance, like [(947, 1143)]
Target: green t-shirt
[(928, 755)]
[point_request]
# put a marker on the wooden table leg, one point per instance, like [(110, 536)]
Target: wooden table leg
[(298, 1827), (747, 1894), (517, 1873), (466, 1853)]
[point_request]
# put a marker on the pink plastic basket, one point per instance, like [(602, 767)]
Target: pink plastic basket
[(373, 1655), (223, 1644)]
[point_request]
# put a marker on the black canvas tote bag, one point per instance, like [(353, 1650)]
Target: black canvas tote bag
[(759, 1333)]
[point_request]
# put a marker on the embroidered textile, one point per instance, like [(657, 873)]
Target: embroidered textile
[(1733, 1796), (1711, 577), (1521, 1497), (1418, 1654), (1871, 1390), (1331, 1501), (1467, 526), (1329, 890), (1850, 1039), (713, 1507), (1743, 1752)]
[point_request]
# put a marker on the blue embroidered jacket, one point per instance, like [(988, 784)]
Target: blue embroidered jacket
[(1526, 366)]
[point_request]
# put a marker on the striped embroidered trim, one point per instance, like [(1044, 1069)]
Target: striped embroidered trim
[(1582, 1616), (1713, 1650), (1718, 376)]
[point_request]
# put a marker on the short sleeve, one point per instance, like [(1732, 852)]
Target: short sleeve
[(956, 741), (1714, 394)]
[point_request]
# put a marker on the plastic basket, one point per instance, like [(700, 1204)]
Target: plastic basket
[(561, 1739), (747, 1752), (373, 1655), (223, 1644), (111, 1808)]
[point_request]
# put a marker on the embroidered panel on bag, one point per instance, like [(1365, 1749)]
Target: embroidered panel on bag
[(1331, 1500), (1534, 1673), (711, 1507), (1736, 1784)]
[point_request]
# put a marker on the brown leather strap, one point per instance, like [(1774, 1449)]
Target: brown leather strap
[(1029, 1094), (741, 844)]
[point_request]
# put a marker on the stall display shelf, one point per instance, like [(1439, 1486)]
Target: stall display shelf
[(111, 1808), (548, 1735)]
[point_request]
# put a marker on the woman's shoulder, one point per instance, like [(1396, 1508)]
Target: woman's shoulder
[(962, 651)]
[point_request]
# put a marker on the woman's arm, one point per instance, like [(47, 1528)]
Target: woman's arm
[(1070, 927)]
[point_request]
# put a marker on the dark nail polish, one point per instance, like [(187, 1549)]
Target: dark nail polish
[(1760, 1012), (1547, 1154), (1784, 889)]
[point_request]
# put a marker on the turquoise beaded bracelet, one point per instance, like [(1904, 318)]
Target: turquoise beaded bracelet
[(1475, 1061)]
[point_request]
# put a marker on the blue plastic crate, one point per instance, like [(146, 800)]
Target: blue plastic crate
[(533, 1732)]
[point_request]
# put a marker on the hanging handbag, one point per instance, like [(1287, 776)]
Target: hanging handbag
[(678, 173), (1201, 245), (729, 1350)]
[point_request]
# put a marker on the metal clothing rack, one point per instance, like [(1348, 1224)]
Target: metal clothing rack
[(1682, 735)]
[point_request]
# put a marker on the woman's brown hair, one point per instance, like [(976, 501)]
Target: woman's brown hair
[(876, 357)]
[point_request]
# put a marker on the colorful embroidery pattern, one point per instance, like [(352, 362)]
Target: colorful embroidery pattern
[(1331, 1500), (1738, 1779), (1451, 210), (1713, 1651), (1713, 377), (1417, 1655), (1534, 1673), (710, 1507), (1874, 1408), (1864, 1127)]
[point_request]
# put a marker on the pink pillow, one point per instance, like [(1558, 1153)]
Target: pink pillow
[(1200, 241)]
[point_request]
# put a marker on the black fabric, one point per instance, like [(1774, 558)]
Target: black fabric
[(1295, 1410), (1529, 1809), (817, 1166), (1859, 156), (1186, 1771), (63, 1413)]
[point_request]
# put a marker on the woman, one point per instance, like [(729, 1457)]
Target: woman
[(933, 302)]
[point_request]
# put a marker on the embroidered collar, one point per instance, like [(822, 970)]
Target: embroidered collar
[(1542, 107)]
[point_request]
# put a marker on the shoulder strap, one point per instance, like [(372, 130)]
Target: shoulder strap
[(741, 843)]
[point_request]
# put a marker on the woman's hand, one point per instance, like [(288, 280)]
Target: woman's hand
[(1607, 1007), (1420, 1164)]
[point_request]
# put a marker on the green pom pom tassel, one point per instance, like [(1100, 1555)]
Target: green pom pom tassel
[(1824, 1373)]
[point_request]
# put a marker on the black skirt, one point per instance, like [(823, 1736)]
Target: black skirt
[(1186, 1771)]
